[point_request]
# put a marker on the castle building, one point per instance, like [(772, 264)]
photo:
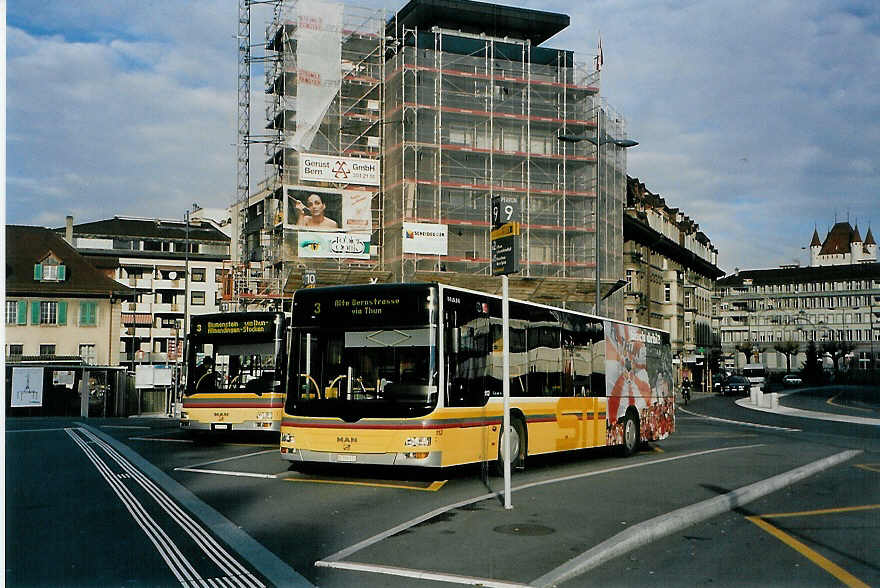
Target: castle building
[(835, 300), (843, 245)]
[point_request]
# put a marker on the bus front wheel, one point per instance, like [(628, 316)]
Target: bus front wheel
[(631, 435), (518, 447)]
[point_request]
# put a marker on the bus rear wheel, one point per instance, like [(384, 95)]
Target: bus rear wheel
[(631, 436), (518, 447)]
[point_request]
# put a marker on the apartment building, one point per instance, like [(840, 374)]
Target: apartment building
[(419, 120), (671, 268), (835, 300), (63, 317), (175, 269)]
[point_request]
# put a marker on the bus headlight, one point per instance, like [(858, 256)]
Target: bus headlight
[(418, 442), (286, 438)]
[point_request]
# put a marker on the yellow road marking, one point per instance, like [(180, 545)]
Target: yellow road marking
[(433, 487), (656, 449), (820, 560), (871, 467), (822, 511), (831, 402)]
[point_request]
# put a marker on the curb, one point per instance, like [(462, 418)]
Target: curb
[(672, 522)]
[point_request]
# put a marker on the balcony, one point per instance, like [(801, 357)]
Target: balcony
[(168, 284), (167, 307), (140, 307)]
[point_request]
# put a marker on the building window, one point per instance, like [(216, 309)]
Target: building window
[(11, 312), (48, 313), (88, 353), (49, 271), (198, 274), (88, 314), (198, 298), (16, 349), (47, 349), (667, 292)]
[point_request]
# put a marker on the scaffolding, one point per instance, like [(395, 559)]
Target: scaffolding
[(453, 118), (348, 123)]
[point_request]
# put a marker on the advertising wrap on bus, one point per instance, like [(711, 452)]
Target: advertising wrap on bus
[(638, 366)]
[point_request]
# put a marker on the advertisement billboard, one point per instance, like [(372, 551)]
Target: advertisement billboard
[(322, 210), (344, 170), (315, 244), (425, 238)]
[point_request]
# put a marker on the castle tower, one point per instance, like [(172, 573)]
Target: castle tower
[(815, 248), (856, 246), (870, 247)]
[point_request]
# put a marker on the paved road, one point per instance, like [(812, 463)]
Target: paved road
[(381, 528)]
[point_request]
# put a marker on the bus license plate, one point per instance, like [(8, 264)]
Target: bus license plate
[(346, 458), (221, 426)]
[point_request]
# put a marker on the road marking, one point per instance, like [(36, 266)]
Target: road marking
[(124, 427), (229, 565), (330, 560), (677, 520), (163, 439), (228, 473), (741, 423), (276, 571), (35, 430), (871, 467), (433, 487), (204, 463), (821, 561), (179, 565), (423, 575), (822, 511), (831, 402), (714, 435)]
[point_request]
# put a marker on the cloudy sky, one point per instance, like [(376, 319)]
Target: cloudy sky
[(760, 119)]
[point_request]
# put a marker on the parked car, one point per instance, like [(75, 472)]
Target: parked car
[(736, 385), (792, 380)]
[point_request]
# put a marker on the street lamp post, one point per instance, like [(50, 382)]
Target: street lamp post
[(599, 140)]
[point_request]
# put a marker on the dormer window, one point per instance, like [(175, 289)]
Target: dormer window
[(50, 270)]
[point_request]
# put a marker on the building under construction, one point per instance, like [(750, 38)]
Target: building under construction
[(389, 136)]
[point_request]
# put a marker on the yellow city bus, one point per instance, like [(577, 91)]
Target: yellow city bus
[(411, 374), (235, 362)]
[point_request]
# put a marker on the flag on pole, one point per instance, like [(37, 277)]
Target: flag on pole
[(599, 58)]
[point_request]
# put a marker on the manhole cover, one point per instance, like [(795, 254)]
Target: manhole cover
[(524, 529)]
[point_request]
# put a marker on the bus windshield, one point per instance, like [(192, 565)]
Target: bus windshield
[(242, 367), (355, 374)]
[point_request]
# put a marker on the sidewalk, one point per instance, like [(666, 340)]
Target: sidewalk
[(808, 414)]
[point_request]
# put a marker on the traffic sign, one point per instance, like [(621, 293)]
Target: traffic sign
[(505, 235), (310, 278), (505, 255)]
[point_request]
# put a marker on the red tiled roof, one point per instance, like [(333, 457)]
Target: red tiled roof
[(838, 240)]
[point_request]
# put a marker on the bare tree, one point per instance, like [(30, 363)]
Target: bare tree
[(788, 349), (749, 349), (837, 349)]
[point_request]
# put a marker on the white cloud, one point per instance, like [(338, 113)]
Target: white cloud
[(757, 118)]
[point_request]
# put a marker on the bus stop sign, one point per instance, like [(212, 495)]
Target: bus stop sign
[(505, 235)]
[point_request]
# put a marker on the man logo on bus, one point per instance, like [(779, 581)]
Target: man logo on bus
[(340, 170)]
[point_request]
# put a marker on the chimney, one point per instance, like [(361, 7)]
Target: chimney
[(68, 231)]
